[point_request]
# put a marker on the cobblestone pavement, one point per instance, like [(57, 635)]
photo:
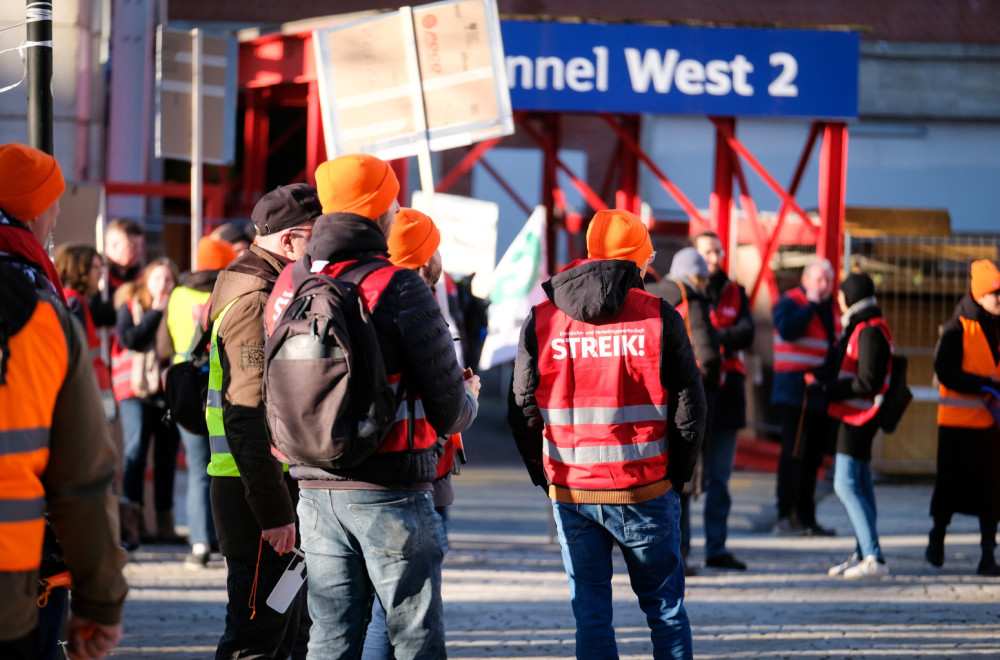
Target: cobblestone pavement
[(506, 595)]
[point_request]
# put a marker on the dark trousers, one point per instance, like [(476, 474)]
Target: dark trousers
[(270, 634), (797, 467), (25, 648)]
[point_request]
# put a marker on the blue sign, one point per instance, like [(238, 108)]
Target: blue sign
[(587, 67)]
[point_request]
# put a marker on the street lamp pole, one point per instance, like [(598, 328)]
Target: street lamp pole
[(38, 17)]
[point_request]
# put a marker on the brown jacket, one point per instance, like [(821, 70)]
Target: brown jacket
[(241, 335), (80, 505)]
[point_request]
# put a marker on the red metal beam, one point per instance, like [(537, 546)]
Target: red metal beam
[(506, 186), (588, 194), (832, 192), (627, 196), (315, 140), (761, 171), (721, 201), (471, 157), (772, 245), (667, 184), (550, 181)]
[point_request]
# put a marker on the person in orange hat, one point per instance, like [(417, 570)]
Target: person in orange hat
[(345, 513), (968, 359), (59, 460), (185, 318), (413, 244), (608, 412)]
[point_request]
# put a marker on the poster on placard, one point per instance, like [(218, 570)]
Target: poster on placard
[(517, 287), (468, 236), (80, 208), (390, 82)]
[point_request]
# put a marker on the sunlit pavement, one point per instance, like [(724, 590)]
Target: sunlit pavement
[(506, 594)]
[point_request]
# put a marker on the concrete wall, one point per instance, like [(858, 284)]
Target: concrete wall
[(77, 84)]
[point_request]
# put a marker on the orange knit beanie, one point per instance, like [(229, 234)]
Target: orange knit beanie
[(30, 181)]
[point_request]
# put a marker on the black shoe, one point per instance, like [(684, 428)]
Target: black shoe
[(725, 560), (816, 530), (934, 553), (988, 566)]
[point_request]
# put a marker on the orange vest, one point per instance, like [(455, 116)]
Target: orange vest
[(807, 352), (36, 369), (859, 410), (967, 410), (600, 396)]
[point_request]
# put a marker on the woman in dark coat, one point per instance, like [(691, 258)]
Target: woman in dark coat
[(968, 457)]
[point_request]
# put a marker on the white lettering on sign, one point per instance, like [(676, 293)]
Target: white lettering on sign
[(579, 73), (606, 345), (652, 70)]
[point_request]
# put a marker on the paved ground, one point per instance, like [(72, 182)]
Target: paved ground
[(506, 594)]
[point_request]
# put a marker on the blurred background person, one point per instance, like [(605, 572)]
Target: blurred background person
[(968, 455), (124, 251), (806, 328), (864, 361), (80, 269), (685, 288), (239, 235), (730, 315), (135, 377), (186, 317)]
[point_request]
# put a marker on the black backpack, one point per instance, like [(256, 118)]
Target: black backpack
[(185, 385), (896, 398), (328, 399)]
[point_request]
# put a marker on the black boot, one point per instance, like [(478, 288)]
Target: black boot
[(935, 546), (988, 543)]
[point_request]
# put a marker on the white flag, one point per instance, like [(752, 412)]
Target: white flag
[(517, 286)]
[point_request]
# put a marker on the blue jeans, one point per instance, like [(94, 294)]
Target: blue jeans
[(141, 423), (201, 527), (719, 455), (355, 540), (649, 537), (377, 645), (852, 482)]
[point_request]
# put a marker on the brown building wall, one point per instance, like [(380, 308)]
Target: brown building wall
[(954, 21)]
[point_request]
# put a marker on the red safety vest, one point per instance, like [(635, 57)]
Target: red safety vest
[(35, 373), (967, 410), (600, 396), (809, 351), (424, 436), (724, 316), (858, 411), (93, 341)]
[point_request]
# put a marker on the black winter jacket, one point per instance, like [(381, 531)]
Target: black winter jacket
[(591, 292), (874, 355), (704, 338), (415, 341)]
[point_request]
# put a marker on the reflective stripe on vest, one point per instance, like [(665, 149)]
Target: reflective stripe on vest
[(726, 311), (93, 341), (424, 435), (183, 313), (858, 410), (36, 369), (221, 463), (600, 396), (806, 352), (967, 410)]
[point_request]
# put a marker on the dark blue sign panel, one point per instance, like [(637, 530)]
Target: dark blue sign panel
[(589, 67)]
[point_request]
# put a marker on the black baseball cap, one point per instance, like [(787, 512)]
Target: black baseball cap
[(285, 207)]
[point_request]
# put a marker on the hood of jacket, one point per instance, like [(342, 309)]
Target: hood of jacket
[(255, 270), (345, 236), (968, 308), (202, 280), (593, 290)]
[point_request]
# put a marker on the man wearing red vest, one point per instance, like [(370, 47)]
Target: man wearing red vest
[(805, 332), (607, 409), (730, 315), (58, 460), (374, 525)]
